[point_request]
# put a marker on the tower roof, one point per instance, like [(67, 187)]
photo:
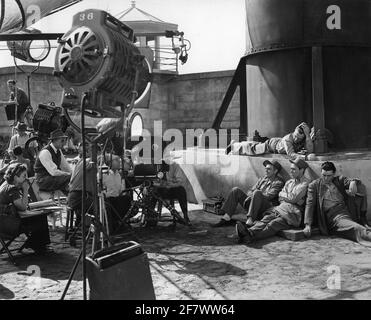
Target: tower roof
[(144, 23)]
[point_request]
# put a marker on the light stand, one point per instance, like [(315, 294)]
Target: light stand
[(99, 211), (96, 227)]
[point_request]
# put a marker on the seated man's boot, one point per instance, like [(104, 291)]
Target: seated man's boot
[(243, 233), (223, 223)]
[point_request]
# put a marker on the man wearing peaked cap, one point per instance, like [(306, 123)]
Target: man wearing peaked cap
[(51, 168), (263, 195), (287, 214)]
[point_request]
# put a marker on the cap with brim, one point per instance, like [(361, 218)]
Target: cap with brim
[(273, 163), (57, 134), (21, 126), (300, 163)]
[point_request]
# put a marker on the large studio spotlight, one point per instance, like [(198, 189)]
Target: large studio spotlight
[(98, 57)]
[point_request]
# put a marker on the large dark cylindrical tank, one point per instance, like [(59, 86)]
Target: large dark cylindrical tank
[(280, 37)]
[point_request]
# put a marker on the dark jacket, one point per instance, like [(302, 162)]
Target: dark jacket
[(39, 167), (314, 213), (270, 189)]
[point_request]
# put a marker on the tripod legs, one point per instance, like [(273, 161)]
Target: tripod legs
[(95, 226), (74, 268)]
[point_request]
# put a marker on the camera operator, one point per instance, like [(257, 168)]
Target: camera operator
[(51, 168)]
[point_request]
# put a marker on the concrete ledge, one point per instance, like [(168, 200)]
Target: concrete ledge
[(296, 234)]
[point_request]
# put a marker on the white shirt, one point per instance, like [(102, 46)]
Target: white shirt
[(18, 140), (47, 161), (113, 184)]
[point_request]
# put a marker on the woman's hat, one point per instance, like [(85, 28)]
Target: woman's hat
[(57, 134)]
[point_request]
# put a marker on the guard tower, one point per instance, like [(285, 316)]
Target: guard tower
[(154, 34)]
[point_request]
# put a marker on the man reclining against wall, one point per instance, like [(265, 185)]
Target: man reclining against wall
[(328, 200), (295, 144), (263, 195), (287, 214)]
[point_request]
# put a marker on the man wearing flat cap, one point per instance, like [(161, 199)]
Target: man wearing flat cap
[(263, 195), (287, 214), (51, 168)]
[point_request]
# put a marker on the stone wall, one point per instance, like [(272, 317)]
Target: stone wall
[(190, 101), (180, 101)]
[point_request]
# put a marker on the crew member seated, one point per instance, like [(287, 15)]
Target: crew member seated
[(171, 189), (20, 139), (14, 190), (75, 195), (284, 216), (19, 158), (295, 144), (51, 168), (328, 201), (114, 187), (262, 196)]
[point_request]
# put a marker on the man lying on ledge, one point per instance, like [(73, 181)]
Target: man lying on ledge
[(295, 144), (287, 214), (328, 201)]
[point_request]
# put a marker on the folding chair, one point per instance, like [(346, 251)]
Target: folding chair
[(10, 229)]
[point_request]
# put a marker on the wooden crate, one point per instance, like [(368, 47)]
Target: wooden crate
[(296, 234), (212, 205)]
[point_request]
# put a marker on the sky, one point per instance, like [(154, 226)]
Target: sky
[(216, 29)]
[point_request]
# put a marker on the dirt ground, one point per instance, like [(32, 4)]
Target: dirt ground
[(205, 263)]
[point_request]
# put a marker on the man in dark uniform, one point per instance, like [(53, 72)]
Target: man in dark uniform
[(51, 168)]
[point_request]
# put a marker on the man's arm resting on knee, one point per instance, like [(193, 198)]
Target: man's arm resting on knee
[(272, 192)]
